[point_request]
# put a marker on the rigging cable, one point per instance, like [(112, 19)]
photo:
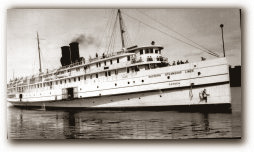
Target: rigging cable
[(107, 27), (175, 31), (211, 53), (126, 35), (112, 37)]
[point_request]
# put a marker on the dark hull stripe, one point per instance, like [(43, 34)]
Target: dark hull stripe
[(222, 107)]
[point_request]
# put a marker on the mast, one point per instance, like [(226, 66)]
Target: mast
[(121, 27), (39, 51), (222, 37)]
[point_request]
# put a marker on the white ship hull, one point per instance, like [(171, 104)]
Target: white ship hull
[(180, 90), (220, 95)]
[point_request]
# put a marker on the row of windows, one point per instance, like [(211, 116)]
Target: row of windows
[(147, 51), (69, 80), (97, 65), (107, 73), (111, 62)]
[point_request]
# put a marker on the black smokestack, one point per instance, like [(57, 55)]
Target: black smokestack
[(74, 52), (66, 55)]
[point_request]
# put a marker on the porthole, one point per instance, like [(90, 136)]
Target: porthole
[(128, 82), (199, 73), (168, 77), (115, 84), (142, 80), (97, 86)]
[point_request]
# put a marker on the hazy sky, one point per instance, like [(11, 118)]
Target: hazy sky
[(58, 27)]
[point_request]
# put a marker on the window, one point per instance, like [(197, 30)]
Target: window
[(99, 64), (91, 76), (147, 67), (147, 51), (156, 51), (96, 75), (111, 62), (74, 79), (106, 74), (151, 50), (117, 60), (65, 81), (116, 72), (105, 62), (128, 70), (128, 58), (152, 66), (109, 73), (78, 78), (159, 51), (56, 83), (84, 77), (60, 81), (69, 80), (141, 51)]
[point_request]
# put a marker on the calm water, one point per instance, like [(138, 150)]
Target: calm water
[(62, 124)]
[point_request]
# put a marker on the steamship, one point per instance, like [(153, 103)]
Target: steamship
[(134, 77)]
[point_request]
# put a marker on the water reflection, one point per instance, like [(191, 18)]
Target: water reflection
[(36, 124), (59, 124)]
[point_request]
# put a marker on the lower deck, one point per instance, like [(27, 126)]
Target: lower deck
[(218, 94)]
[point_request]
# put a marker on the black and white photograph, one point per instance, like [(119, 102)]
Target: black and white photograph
[(124, 73)]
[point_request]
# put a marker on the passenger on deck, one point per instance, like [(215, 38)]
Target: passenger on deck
[(178, 62), (186, 61), (174, 63), (203, 58)]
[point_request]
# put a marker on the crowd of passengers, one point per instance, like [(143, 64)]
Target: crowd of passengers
[(178, 62)]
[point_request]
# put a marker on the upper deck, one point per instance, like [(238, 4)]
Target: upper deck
[(117, 62)]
